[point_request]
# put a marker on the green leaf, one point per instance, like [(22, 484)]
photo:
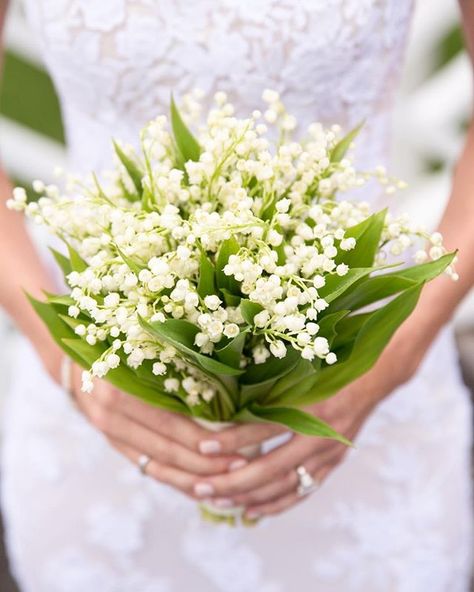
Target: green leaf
[(371, 340), (272, 369), (229, 298), (77, 262), (125, 379), (349, 327), (372, 290), (84, 355), (64, 300), (249, 309), (147, 199), (341, 148), (367, 234), (62, 261), (57, 328), (181, 334), (187, 144), (134, 266), (133, 170), (303, 376), (231, 353), (385, 285), (228, 247), (207, 277), (298, 421), (336, 285)]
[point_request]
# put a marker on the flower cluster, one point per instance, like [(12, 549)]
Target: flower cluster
[(191, 232)]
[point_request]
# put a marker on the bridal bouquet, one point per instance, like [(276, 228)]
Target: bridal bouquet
[(219, 277)]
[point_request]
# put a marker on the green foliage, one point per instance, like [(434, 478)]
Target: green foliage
[(188, 146), (28, 97), (135, 173), (297, 421), (181, 334), (207, 277), (224, 282), (370, 341), (341, 148), (367, 234)]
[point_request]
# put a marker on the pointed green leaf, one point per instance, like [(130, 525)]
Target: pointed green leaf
[(57, 328), (62, 261), (298, 421), (336, 285), (181, 334), (341, 148), (229, 298), (249, 309), (228, 247), (134, 171), (187, 144), (370, 343), (64, 300), (367, 234), (272, 369), (77, 262), (134, 266), (125, 379), (207, 277), (382, 286), (303, 376), (231, 353)]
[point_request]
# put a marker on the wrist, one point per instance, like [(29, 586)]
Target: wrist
[(51, 357)]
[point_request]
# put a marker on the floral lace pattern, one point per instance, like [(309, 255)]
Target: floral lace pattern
[(396, 515)]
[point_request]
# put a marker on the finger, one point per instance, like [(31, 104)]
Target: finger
[(158, 471), (314, 468), (239, 437), (272, 508), (171, 425), (266, 468), (164, 451), (289, 482)]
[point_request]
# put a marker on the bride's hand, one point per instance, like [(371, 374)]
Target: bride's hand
[(135, 428), (268, 485)]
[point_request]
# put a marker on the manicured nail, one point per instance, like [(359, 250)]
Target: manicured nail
[(223, 502), (240, 463), (203, 489), (209, 447)]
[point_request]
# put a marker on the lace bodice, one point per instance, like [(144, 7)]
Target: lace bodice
[(116, 62)]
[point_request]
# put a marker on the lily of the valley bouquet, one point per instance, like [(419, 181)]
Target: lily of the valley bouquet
[(218, 276)]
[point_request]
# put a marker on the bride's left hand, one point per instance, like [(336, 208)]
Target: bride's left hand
[(268, 485)]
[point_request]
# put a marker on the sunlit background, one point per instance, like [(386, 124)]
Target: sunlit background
[(431, 117)]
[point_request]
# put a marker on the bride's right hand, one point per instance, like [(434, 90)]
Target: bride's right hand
[(171, 441)]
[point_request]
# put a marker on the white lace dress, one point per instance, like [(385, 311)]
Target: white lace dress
[(396, 516)]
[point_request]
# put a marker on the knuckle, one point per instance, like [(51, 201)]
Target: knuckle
[(109, 398), (210, 466), (100, 418), (228, 440)]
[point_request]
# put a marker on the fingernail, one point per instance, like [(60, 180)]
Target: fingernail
[(223, 502), (203, 489), (209, 447), (240, 463), (252, 516)]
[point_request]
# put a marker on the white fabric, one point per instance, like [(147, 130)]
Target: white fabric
[(396, 516)]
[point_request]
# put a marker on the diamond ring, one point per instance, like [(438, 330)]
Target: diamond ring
[(143, 461), (306, 484)]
